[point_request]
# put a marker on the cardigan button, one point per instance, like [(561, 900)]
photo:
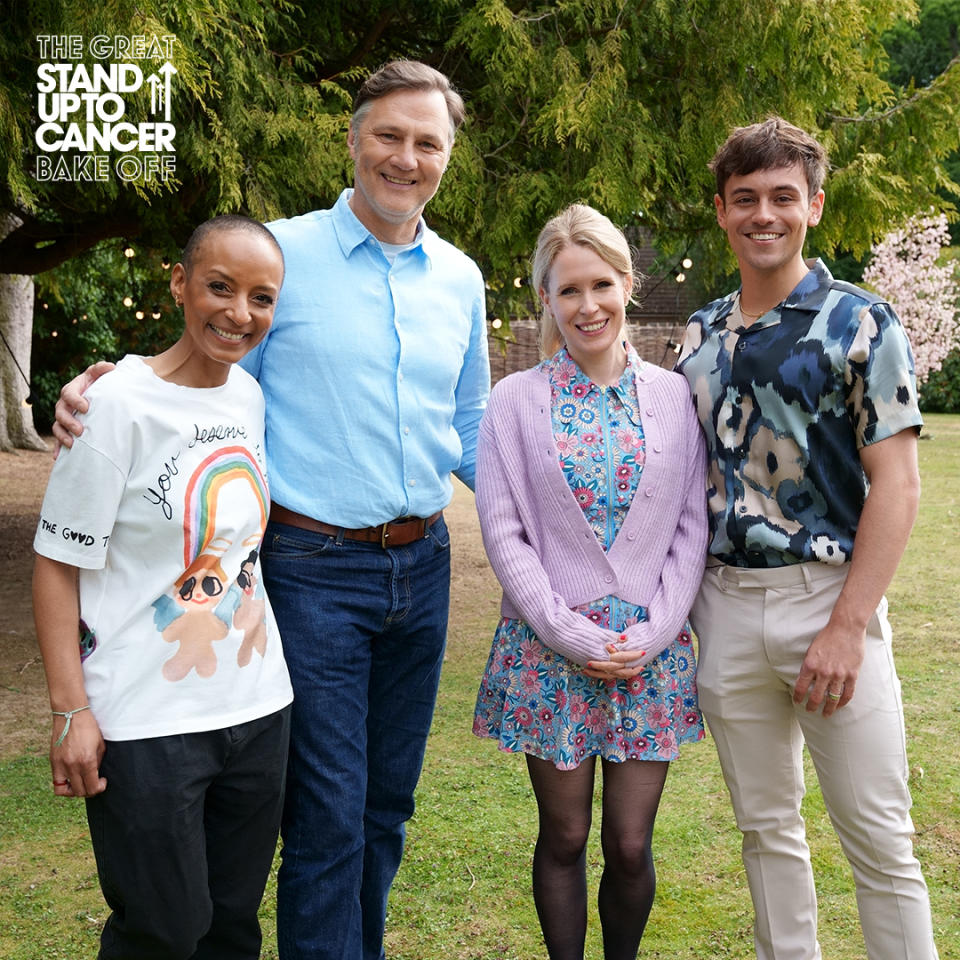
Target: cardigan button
[(608, 578), (648, 492)]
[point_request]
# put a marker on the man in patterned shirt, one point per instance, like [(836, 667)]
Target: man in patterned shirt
[(805, 389)]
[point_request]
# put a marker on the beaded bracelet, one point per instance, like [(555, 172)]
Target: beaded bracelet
[(69, 715)]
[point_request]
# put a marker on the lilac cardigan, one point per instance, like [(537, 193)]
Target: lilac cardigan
[(541, 547)]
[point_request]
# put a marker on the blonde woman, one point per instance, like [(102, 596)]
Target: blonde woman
[(591, 495)]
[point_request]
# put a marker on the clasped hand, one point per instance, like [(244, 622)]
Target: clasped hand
[(622, 665)]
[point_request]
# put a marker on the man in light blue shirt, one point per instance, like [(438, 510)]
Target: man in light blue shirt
[(394, 371), (376, 376)]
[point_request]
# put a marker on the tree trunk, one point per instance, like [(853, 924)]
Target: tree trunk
[(16, 326)]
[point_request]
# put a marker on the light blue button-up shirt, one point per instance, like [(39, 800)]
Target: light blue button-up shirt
[(375, 374)]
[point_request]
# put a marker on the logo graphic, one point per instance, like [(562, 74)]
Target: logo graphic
[(84, 110)]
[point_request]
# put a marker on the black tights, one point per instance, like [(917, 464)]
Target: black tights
[(631, 795)]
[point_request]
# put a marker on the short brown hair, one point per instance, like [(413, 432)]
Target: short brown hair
[(408, 75), (765, 146)]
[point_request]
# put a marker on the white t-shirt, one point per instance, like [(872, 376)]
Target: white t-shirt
[(162, 504)]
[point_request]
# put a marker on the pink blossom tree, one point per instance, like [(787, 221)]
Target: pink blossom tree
[(905, 269)]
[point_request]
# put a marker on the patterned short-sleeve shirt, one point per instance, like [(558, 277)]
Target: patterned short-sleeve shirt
[(786, 404)]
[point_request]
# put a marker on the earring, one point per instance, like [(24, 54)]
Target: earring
[(177, 301)]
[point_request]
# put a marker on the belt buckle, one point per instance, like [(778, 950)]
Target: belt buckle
[(384, 535)]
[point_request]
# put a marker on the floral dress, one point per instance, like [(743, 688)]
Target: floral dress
[(536, 701)]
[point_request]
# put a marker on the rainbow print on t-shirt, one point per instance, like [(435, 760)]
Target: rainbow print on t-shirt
[(203, 491)]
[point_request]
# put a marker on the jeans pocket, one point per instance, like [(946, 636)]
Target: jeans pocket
[(439, 535), (283, 547)]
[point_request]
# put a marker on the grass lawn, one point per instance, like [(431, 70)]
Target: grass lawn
[(463, 892)]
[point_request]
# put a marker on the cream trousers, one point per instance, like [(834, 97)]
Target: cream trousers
[(754, 627)]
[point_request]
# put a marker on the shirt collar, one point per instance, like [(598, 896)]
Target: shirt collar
[(351, 233), (808, 294)]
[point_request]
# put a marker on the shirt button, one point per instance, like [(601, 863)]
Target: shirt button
[(400, 377), (412, 483), (406, 431)]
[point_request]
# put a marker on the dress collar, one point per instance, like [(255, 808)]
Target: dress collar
[(564, 372)]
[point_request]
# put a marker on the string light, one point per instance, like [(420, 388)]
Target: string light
[(518, 282), (129, 252), (156, 312), (497, 323), (687, 263), (128, 301), (139, 314), (681, 277), (165, 263)]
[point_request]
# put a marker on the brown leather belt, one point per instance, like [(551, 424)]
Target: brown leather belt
[(396, 533)]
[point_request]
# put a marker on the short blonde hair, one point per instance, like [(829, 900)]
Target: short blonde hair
[(585, 227)]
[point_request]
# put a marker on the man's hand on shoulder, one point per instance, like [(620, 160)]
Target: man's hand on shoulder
[(71, 402)]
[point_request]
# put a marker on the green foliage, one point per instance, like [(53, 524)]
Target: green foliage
[(80, 316), (622, 105), (921, 48), (940, 393), (251, 133), (617, 103)]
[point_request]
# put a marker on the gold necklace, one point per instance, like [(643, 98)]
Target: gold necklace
[(749, 316)]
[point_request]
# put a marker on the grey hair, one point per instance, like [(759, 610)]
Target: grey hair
[(408, 75)]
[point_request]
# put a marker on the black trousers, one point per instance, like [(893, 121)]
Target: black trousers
[(184, 838)]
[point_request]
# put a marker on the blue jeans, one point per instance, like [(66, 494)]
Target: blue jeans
[(363, 631)]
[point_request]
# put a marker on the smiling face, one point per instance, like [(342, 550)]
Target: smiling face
[(228, 296), (400, 149), (588, 299), (766, 214)]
